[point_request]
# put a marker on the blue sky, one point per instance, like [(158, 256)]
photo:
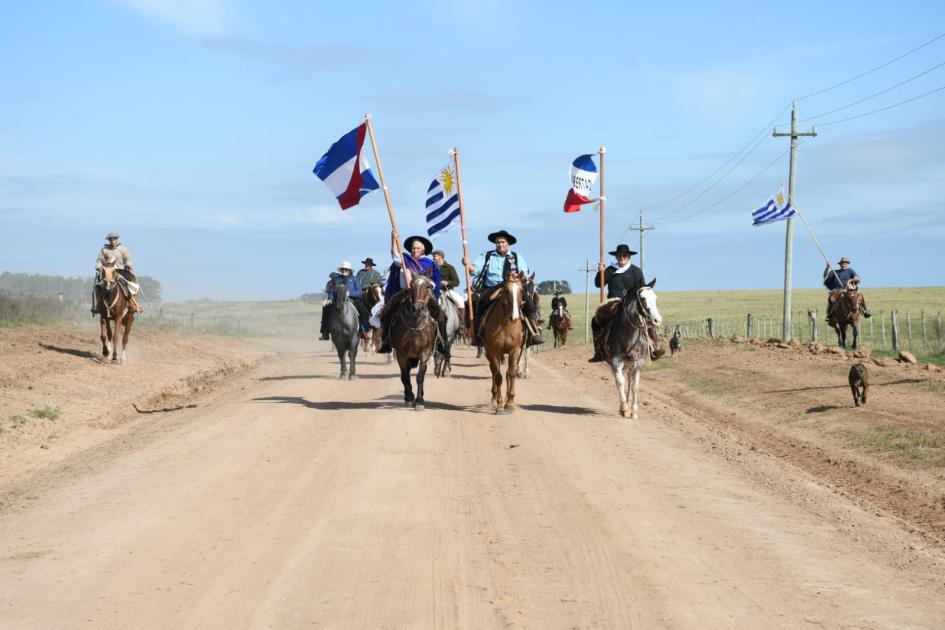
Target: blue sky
[(192, 129)]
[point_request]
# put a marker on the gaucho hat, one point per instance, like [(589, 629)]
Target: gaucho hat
[(844, 259), (368, 261), (112, 235), (623, 248), (503, 234), (427, 245)]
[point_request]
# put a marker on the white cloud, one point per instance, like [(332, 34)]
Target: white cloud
[(193, 17)]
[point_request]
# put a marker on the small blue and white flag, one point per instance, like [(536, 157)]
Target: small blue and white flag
[(442, 202), (777, 208), (345, 169)]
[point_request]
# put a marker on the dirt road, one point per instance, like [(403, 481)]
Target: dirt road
[(288, 499)]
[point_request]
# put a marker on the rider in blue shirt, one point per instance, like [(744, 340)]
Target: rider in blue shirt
[(343, 276), (835, 279)]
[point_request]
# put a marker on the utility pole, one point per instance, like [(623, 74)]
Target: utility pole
[(642, 228), (789, 236), (587, 269)]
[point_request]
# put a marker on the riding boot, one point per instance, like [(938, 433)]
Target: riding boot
[(137, 308), (598, 353), (95, 299), (536, 338), (441, 342), (324, 326), (865, 310), (462, 321), (656, 351)]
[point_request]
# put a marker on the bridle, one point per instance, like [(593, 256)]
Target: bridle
[(419, 295)]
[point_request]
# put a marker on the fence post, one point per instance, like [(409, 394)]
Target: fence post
[(814, 322), (939, 329), (870, 320), (709, 327), (191, 320), (925, 337), (882, 324), (895, 330), (748, 328)]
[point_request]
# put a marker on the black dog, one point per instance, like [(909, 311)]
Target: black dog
[(859, 382), (675, 342)]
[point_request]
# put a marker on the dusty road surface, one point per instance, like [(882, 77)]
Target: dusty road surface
[(288, 499)]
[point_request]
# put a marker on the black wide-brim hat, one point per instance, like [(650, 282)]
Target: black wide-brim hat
[(427, 245), (503, 234), (623, 248), (368, 261)]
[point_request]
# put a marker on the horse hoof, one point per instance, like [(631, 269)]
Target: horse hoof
[(342, 376), (419, 407), (635, 415), (624, 412), (352, 377)]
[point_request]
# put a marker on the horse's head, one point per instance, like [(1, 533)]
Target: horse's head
[(340, 295), (646, 301), (108, 271), (420, 287), (377, 292), (512, 292)]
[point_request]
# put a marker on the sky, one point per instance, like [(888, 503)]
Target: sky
[(192, 127)]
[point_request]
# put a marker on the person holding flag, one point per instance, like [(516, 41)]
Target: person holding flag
[(838, 279), (416, 250)]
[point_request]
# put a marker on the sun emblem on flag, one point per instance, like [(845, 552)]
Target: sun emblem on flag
[(446, 177), (780, 198)]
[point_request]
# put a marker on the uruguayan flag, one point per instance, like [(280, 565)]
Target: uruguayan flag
[(777, 208), (442, 201)]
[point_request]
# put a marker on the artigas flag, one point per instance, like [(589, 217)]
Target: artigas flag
[(345, 170), (442, 201), (583, 176), (775, 209)]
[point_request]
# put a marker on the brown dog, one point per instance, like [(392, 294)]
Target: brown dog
[(859, 382)]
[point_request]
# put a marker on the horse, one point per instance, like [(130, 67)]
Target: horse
[(504, 335), (846, 313), (675, 342), (372, 296), (413, 333), (530, 292), (441, 359), (626, 344), (114, 306), (343, 328), (560, 325)]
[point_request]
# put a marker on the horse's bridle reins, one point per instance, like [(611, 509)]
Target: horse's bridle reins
[(420, 306), (111, 283)]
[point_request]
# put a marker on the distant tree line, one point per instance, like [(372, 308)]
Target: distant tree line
[(72, 289), (547, 287)]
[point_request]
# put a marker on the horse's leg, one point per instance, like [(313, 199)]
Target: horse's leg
[(106, 335), (405, 379), (512, 373), (115, 337), (129, 318), (421, 375), (496, 370), (635, 393), (856, 335), (616, 366), (353, 356), (341, 359)]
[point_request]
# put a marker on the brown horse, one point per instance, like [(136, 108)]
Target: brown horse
[(114, 306), (373, 295), (846, 313), (560, 325), (504, 336), (413, 334)]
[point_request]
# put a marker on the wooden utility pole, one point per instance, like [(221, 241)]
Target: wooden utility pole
[(642, 229), (789, 232), (587, 269)]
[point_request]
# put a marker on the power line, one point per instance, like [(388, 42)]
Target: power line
[(883, 109), (871, 96), (879, 67)]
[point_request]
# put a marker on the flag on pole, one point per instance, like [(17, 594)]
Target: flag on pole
[(345, 169), (442, 201), (583, 176), (777, 208)]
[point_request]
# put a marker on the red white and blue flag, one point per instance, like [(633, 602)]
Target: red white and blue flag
[(583, 176), (345, 170)]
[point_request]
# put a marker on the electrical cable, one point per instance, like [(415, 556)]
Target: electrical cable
[(883, 109)]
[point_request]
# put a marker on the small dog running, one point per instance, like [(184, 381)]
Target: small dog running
[(675, 342), (859, 383)]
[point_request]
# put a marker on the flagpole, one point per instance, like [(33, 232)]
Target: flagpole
[(814, 238), (390, 208), (601, 153), (462, 228)]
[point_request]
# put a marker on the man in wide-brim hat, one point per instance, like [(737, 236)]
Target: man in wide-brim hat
[(838, 279), (115, 251), (416, 252), (344, 276), (621, 278), (368, 275), (489, 271), (557, 301)]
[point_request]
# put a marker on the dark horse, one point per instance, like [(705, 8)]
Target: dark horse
[(114, 306), (343, 328), (626, 345), (846, 313), (560, 325), (504, 336), (413, 334)]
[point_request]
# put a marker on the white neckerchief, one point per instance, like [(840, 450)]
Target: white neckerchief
[(619, 269)]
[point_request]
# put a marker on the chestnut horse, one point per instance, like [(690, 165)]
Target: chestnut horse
[(626, 344), (560, 325), (846, 313), (504, 336), (114, 306), (413, 334)]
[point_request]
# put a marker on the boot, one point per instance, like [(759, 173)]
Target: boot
[(656, 352), (866, 312), (535, 339), (135, 306), (324, 327), (597, 358), (385, 341), (462, 322)]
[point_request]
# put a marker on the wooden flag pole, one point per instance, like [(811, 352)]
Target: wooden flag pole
[(390, 208), (602, 200), (462, 228)]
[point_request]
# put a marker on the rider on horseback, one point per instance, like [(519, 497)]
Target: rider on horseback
[(449, 280), (369, 275), (620, 278), (559, 301), (489, 272), (343, 276), (115, 252), (416, 250), (836, 280)]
